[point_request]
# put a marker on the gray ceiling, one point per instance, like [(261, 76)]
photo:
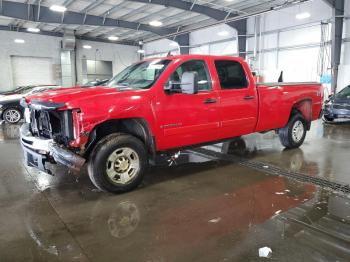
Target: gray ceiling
[(136, 14)]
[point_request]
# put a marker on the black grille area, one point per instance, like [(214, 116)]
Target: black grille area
[(52, 124)]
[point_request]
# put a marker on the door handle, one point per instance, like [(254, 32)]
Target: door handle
[(209, 101), (249, 97)]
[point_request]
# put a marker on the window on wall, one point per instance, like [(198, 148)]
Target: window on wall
[(199, 66), (231, 74)]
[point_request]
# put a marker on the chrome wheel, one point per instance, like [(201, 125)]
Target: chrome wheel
[(122, 165), (12, 116), (298, 131)]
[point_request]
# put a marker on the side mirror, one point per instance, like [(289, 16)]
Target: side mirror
[(172, 87), (189, 83)]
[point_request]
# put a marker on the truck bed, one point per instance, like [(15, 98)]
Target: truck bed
[(276, 101)]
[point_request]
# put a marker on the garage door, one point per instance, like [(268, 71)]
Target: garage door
[(31, 70)]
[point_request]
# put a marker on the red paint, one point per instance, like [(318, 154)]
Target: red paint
[(181, 119)]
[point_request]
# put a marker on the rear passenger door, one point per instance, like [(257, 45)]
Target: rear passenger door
[(238, 99)]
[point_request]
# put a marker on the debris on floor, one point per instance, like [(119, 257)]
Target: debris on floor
[(265, 252), (215, 220)]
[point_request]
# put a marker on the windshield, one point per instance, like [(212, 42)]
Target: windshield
[(345, 93), (139, 76)]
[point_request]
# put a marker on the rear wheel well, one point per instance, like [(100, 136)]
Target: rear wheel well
[(137, 127), (303, 108)]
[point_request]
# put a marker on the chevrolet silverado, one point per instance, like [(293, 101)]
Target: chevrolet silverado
[(160, 105)]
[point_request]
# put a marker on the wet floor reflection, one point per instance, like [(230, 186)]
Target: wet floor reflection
[(200, 208), (9, 132)]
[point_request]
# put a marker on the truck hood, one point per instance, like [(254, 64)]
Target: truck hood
[(68, 95)]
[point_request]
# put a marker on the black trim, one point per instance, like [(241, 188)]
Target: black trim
[(40, 105)]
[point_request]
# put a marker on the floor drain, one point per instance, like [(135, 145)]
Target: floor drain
[(274, 170)]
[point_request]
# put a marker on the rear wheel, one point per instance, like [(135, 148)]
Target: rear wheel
[(293, 134), (12, 115), (118, 163)]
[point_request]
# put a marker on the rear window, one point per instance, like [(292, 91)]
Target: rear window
[(231, 74)]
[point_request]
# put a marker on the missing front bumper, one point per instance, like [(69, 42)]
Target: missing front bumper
[(38, 152)]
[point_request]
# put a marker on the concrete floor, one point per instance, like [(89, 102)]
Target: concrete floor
[(199, 209)]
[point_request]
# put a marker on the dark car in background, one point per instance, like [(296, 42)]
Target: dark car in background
[(17, 90), (10, 109), (338, 106)]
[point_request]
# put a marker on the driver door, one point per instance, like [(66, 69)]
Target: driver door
[(188, 119)]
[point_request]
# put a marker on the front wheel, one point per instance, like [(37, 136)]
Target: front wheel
[(293, 134), (12, 115), (118, 163)]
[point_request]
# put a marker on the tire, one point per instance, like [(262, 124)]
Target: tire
[(12, 115), (118, 163), (293, 134)]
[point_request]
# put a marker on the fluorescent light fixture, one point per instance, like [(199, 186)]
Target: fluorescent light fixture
[(87, 46), (19, 41), (33, 30), (141, 51), (58, 8), (303, 15), (113, 38), (223, 33), (156, 23)]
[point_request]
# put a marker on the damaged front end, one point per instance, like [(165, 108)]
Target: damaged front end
[(46, 135)]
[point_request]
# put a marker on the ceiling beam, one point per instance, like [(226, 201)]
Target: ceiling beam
[(329, 2), (68, 3), (59, 34), (214, 13), (337, 36), (20, 11)]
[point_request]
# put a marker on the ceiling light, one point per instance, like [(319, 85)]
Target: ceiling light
[(302, 15), (223, 33), (87, 46), (19, 41), (155, 23), (113, 38), (141, 51), (58, 8), (33, 30)]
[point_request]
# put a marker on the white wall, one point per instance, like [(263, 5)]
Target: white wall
[(120, 55), (35, 46), (209, 41), (48, 46), (161, 48), (204, 41), (298, 64)]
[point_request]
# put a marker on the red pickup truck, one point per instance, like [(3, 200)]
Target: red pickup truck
[(160, 105)]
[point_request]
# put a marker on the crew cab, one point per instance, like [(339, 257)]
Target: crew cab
[(160, 105)]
